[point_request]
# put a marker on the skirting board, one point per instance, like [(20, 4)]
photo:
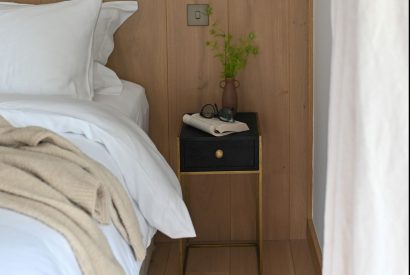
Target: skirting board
[(314, 245)]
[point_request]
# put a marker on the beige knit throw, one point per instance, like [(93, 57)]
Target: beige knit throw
[(44, 176)]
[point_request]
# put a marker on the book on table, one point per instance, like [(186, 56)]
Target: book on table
[(214, 126)]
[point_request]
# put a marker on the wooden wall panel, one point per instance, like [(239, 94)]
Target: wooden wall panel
[(265, 89), (299, 110), (243, 207), (209, 203)]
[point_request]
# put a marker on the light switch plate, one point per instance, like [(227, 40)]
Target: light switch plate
[(197, 15)]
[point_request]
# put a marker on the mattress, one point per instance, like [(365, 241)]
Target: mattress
[(132, 102)]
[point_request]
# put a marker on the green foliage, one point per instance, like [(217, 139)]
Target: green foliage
[(209, 10), (233, 55)]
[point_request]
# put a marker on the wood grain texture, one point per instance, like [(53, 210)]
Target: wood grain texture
[(209, 204), (243, 261), (265, 88), (160, 259), (208, 261), (243, 207), (302, 258), (298, 117), (280, 257), (172, 268)]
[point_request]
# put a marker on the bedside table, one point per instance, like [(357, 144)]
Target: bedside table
[(200, 153)]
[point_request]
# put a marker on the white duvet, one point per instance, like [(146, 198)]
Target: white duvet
[(29, 247)]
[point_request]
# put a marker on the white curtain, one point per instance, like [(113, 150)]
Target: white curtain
[(367, 203)]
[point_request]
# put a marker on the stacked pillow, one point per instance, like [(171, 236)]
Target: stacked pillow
[(61, 48), (112, 16)]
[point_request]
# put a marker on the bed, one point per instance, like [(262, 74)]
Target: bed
[(102, 116)]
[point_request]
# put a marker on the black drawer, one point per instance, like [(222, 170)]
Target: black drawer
[(200, 152), (235, 155)]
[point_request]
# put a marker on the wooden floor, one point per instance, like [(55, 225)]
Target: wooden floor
[(281, 258)]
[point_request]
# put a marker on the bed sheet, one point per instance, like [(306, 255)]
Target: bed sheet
[(132, 102)]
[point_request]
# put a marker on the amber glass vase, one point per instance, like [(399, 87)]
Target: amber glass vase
[(229, 96)]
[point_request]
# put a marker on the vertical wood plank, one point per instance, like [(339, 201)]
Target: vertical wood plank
[(209, 204), (159, 261), (173, 267), (243, 206), (298, 118), (165, 260), (265, 89), (140, 55)]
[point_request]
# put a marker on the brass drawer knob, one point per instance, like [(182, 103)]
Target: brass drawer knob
[(219, 154)]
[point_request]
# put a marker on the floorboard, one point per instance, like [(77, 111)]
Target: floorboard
[(302, 258), (243, 261), (206, 261), (159, 260), (280, 258)]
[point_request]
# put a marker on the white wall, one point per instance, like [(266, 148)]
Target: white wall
[(322, 57)]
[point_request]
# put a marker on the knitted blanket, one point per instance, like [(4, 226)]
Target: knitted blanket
[(44, 176)]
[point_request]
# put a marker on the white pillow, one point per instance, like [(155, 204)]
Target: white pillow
[(47, 49), (112, 15), (106, 81)]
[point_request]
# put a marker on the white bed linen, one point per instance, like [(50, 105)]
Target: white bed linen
[(132, 102), (29, 247)]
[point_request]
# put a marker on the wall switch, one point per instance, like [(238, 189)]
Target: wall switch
[(197, 15)]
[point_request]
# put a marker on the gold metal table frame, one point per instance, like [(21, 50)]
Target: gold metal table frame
[(184, 245)]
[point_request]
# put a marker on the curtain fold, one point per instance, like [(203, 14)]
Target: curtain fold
[(367, 197)]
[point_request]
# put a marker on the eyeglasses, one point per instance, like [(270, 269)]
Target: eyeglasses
[(211, 110)]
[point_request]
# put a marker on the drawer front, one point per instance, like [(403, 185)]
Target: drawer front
[(238, 155)]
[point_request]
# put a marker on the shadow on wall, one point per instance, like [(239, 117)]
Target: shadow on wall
[(322, 67)]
